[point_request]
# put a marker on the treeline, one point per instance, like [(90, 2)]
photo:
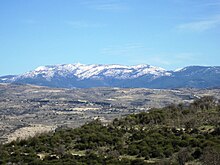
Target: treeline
[(176, 134)]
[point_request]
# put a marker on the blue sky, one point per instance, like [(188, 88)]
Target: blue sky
[(166, 33)]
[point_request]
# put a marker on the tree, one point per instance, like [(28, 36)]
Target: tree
[(183, 156), (211, 156), (60, 150)]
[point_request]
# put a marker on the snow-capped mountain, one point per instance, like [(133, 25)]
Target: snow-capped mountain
[(82, 71), (81, 75)]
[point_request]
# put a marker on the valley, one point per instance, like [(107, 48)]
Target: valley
[(27, 110)]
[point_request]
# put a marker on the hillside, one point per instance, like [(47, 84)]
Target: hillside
[(175, 134), (26, 110)]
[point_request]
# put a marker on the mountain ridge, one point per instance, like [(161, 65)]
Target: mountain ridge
[(114, 75)]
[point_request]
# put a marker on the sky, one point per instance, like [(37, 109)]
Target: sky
[(167, 33)]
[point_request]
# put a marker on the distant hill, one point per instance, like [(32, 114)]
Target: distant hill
[(85, 76)]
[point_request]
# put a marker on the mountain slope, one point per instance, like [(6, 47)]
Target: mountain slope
[(84, 76), (192, 76)]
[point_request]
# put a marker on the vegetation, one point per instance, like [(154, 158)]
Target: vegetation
[(176, 134)]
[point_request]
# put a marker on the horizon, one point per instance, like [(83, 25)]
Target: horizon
[(78, 63), (169, 34)]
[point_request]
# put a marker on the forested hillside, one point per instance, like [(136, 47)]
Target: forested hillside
[(172, 135)]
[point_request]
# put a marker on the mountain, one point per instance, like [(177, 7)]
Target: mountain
[(85, 76), (192, 77)]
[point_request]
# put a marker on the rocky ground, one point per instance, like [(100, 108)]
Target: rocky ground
[(26, 110)]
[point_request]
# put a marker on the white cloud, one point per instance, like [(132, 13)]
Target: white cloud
[(186, 56), (128, 49), (159, 60), (201, 25), (84, 24), (105, 5), (29, 21), (212, 4), (171, 59)]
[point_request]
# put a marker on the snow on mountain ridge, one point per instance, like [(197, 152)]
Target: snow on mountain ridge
[(83, 71)]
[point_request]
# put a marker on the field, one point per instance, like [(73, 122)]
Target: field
[(27, 110)]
